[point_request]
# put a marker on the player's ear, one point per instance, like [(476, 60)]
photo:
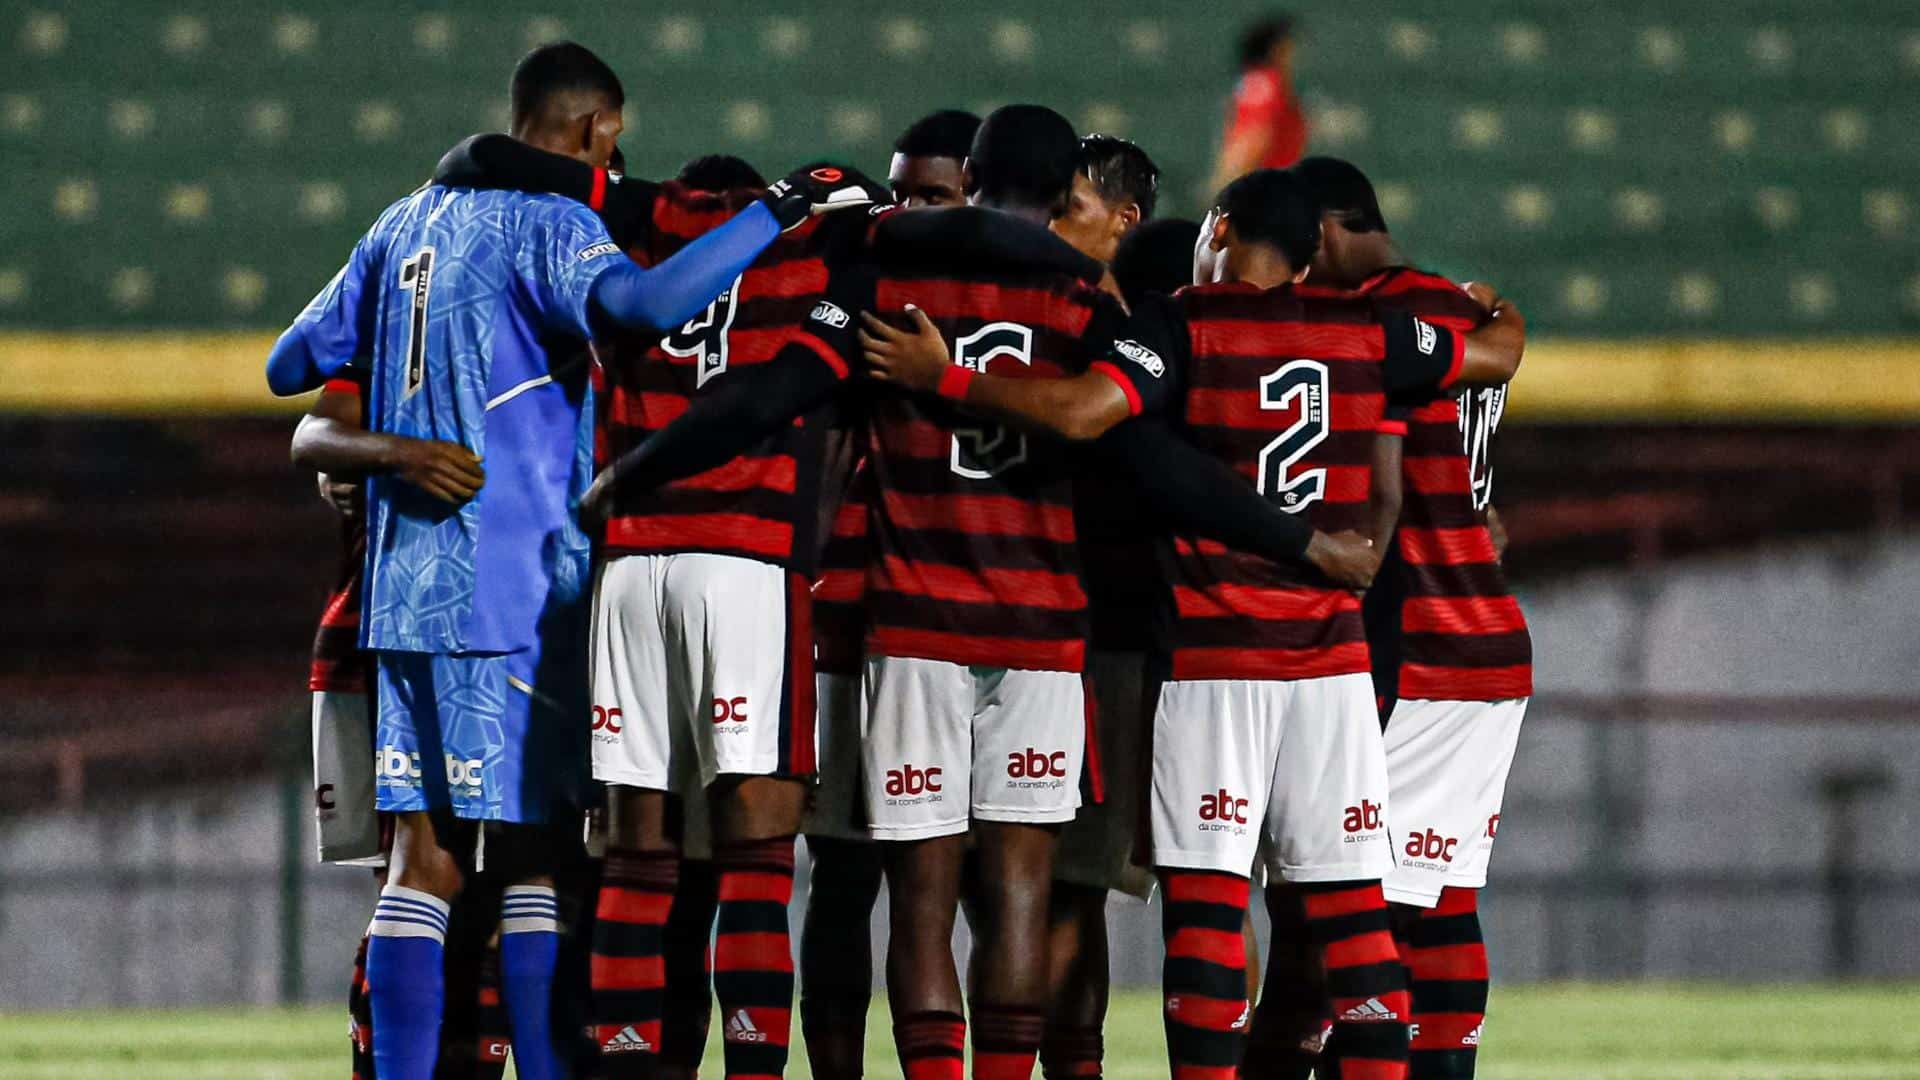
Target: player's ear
[(967, 186), (1300, 275), (1218, 241), (1129, 218)]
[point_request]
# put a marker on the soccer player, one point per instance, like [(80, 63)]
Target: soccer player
[(1115, 188), (1267, 129), (1267, 724), (473, 1041), (460, 298), (1458, 641), (927, 159)]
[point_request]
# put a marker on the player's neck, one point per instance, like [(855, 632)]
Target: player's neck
[(1260, 268), (1037, 215), (1372, 253), (553, 142)]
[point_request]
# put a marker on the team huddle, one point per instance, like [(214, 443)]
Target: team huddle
[(1005, 542)]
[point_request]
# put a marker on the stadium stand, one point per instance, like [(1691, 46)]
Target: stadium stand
[(1723, 169)]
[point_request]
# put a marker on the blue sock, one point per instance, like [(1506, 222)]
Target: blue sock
[(404, 981), (529, 942)]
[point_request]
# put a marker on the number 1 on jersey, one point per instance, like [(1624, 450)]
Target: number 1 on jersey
[(417, 274), (1302, 385)]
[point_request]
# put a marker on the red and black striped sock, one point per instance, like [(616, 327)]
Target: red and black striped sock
[(1006, 1040), (753, 956), (1348, 921), (1072, 1052), (932, 1045), (1204, 982), (360, 1016), (628, 969), (688, 1008), (1447, 957)]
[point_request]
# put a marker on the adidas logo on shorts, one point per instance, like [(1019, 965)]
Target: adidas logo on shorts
[(625, 1041)]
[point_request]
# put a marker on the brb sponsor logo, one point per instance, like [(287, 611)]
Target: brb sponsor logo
[(1362, 823), (607, 725), (1031, 768), (910, 785), (730, 715), (1493, 826), (1223, 812), (1426, 846)]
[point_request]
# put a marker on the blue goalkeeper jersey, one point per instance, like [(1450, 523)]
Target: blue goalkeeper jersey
[(472, 309)]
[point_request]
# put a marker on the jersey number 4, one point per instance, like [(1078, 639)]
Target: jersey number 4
[(704, 338), (980, 453), (1300, 385), (416, 276)]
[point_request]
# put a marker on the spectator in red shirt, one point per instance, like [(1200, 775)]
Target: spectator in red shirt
[(1267, 129)]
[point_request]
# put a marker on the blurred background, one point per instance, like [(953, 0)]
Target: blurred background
[(1708, 465)]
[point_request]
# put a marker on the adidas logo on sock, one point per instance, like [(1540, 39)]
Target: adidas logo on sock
[(1246, 1013), (1314, 1044), (1472, 1038), (1370, 1009), (740, 1029), (625, 1041)]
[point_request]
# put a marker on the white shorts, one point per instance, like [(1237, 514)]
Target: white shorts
[(349, 826), (947, 744), (836, 810), (1096, 848), (1304, 761), (696, 673), (1448, 763)]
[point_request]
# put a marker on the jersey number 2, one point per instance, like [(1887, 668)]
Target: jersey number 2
[(1299, 385), (416, 276), (980, 453)]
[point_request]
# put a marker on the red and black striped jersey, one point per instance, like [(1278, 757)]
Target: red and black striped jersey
[(338, 664), (1462, 635), (1288, 386), (973, 546), (840, 587), (763, 504)]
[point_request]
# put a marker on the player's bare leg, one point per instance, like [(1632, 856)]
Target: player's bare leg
[(756, 819), (688, 1009), (406, 985), (1079, 982), (1290, 1024), (636, 893), (1011, 947), (929, 1025), (836, 955)]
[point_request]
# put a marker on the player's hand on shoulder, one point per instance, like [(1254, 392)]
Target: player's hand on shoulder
[(447, 471), (817, 188), (913, 357), (1348, 558)]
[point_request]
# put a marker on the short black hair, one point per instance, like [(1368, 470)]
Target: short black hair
[(1274, 207), (1156, 258), (720, 172), (1024, 155), (562, 67), (1257, 41), (947, 133), (1121, 171), (1344, 191)]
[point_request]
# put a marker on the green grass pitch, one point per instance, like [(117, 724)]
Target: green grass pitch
[(1615, 1032)]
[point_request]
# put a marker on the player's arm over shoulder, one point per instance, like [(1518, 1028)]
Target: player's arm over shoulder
[(1123, 379), (1424, 359)]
